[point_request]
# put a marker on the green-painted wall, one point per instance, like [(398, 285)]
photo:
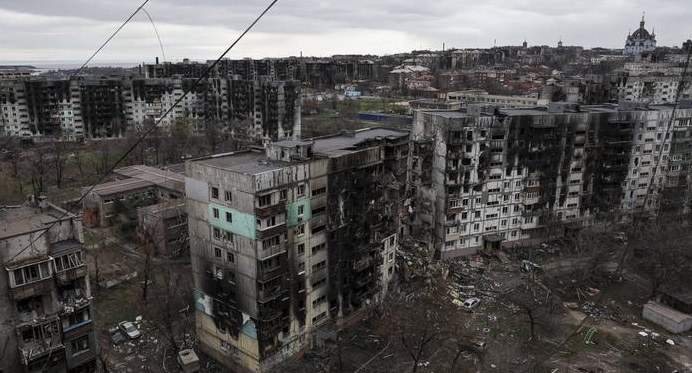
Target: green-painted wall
[(292, 212), (243, 224)]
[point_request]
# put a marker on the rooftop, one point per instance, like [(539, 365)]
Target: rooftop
[(19, 220), (163, 178), (540, 110), (141, 177), (251, 163), (291, 143), (166, 210), (247, 162), (120, 186), (351, 140)]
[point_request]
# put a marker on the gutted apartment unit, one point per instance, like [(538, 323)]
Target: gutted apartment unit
[(46, 318), (486, 174), (269, 259)]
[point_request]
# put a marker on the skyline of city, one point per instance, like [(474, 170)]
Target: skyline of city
[(40, 31)]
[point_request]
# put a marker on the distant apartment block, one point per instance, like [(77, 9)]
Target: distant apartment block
[(316, 72), (46, 318), (164, 226), (289, 239), (89, 108), (654, 88), (485, 174), (482, 97)]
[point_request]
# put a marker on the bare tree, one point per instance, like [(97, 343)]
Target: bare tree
[(660, 252), (38, 171), (169, 297), (59, 153)]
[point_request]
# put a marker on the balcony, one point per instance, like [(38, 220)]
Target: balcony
[(318, 220), (367, 262), (72, 303), (271, 251), (268, 294), (454, 181), (65, 277), (32, 289), (39, 339), (267, 274), (271, 231), (267, 314), (529, 213), (318, 274), (529, 200), (271, 210)]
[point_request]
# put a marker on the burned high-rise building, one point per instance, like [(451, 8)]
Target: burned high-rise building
[(259, 110), (269, 259), (485, 175)]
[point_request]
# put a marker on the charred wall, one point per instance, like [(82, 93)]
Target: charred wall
[(607, 162)]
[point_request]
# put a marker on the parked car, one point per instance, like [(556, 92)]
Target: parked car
[(130, 329), (470, 304)]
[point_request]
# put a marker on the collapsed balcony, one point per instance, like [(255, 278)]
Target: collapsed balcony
[(73, 296), (38, 339), (367, 262)]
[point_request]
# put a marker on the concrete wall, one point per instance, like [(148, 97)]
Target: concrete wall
[(668, 318)]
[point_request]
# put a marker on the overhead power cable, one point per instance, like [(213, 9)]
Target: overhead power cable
[(110, 38), (151, 127), (163, 54)]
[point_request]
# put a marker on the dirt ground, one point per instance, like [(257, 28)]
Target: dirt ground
[(594, 326), (118, 296)]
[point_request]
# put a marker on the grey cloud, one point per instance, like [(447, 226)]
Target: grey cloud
[(457, 23)]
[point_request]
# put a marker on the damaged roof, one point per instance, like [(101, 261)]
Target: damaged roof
[(350, 140)]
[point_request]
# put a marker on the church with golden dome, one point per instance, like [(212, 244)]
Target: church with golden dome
[(640, 41)]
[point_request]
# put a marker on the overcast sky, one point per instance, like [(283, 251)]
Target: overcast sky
[(50, 30)]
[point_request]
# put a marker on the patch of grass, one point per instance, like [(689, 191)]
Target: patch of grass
[(117, 303), (376, 104)]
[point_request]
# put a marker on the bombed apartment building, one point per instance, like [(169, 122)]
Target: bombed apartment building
[(255, 110), (46, 318), (102, 107), (147, 100), (269, 259), (485, 175), (35, 107), (314, 71), (14, 119)]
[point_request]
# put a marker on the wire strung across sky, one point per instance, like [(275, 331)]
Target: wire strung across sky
[(110, 38), (152, 126), (163, 54)]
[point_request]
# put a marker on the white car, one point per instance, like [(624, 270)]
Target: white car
[(130, 329), (470, 303)]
